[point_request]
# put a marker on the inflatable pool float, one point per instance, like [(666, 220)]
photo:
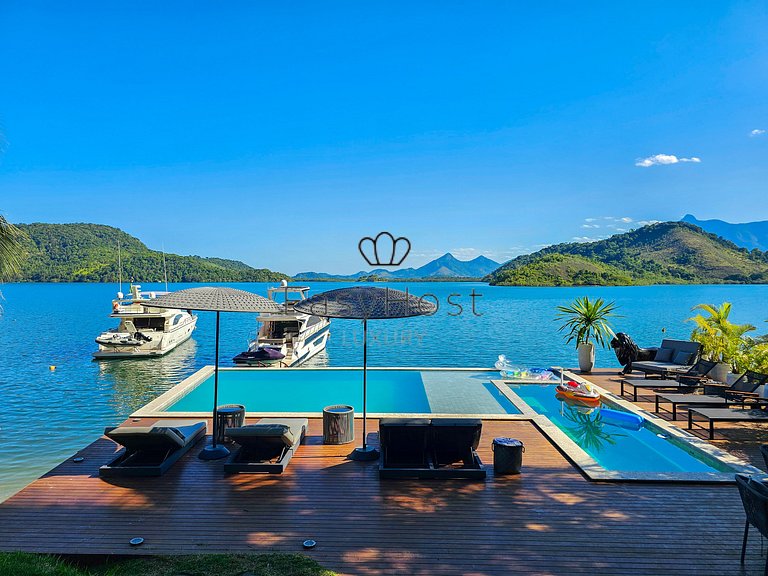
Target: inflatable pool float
[(509, 371), (582, 392), (626, 420)]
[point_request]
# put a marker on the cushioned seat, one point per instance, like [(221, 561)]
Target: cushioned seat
[(673, 356), (404, 442), (437, 448), (151, 450), (266, 446)]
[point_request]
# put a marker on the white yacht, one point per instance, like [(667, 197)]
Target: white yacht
[(143, 331), (286, 338)]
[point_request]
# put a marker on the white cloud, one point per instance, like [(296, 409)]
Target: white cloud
[(663, 159), (647, 222), (586, 239), (626, 220), (757, 132), (589, 219), (590, 225)]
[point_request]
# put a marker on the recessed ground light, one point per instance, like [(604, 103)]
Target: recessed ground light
[(78, 459), (662, 436), (136, 541), (136, 420), (309, 544)]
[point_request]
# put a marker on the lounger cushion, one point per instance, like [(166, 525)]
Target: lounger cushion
[(663, 355), (162, 436), (682, 357), (253, 432), (404, 441)]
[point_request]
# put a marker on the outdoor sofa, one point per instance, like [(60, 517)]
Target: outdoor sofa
[(430, 448), (689, 380), (151, 450), (672, 357), (266, 446)]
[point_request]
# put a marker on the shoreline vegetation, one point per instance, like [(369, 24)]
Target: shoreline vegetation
[(656, 254), (89, 253), (662, 253)]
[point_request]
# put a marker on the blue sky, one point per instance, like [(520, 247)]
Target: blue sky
[(281, 133)]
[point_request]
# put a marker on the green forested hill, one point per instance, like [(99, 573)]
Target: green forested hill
[(664, 253), (88, 253)]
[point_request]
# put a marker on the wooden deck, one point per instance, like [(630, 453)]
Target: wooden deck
[(549, 520)]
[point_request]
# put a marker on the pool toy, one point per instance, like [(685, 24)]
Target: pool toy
[(510, 371), (582, 392), (622, 419)]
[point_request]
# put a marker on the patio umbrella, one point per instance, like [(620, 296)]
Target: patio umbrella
[(215, 300), (365, 303)]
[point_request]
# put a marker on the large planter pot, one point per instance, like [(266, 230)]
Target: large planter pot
[(586, 352), (720, 372)]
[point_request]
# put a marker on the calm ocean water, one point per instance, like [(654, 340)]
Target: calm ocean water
[(47, 415)]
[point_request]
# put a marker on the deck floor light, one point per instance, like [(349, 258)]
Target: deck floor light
[(366, 303), (208, 299)]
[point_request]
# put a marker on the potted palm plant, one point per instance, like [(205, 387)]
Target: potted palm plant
[(586, 323), (721, 340)]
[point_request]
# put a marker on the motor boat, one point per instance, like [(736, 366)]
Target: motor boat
[(286, 338), (143, 331)]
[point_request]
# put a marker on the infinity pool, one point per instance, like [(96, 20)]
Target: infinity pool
[(617, 448), (389, 391)]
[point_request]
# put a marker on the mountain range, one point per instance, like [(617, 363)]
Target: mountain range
[(88, 253), (748, 235), (663, 253), (447, 266)]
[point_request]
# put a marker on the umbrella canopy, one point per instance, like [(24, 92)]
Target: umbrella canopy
[(215, 299), (366, 303)]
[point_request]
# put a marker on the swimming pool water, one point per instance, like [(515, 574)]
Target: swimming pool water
[(389, 391), (613, 447)]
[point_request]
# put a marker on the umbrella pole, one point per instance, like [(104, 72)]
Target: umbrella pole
[(214, 452), (365, 382), (366, 452)]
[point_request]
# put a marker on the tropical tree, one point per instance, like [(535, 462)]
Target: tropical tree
[(11, 250), (721, 340), (586, 320)]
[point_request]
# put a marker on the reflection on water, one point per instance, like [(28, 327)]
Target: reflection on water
[(137, 381)]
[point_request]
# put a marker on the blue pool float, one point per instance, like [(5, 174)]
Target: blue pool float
[(621, 419)]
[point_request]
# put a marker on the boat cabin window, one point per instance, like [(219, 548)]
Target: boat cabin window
[(282, 329), (177, 318), (149, 323)]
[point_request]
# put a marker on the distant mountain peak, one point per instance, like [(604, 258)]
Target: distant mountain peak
[(446, 266), (748, 235)]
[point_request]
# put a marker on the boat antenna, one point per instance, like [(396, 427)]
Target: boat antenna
[(119, 268), (165, 270)]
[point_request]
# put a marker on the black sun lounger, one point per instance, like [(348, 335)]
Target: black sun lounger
[(726, 415), (437, 448), (151, 450), (743, 391), (638, 383), (266, 446)]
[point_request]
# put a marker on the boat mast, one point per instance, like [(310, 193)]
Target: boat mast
[(165, 270), (119, 268)]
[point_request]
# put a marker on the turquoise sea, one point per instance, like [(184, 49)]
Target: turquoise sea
[(48, 414)]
